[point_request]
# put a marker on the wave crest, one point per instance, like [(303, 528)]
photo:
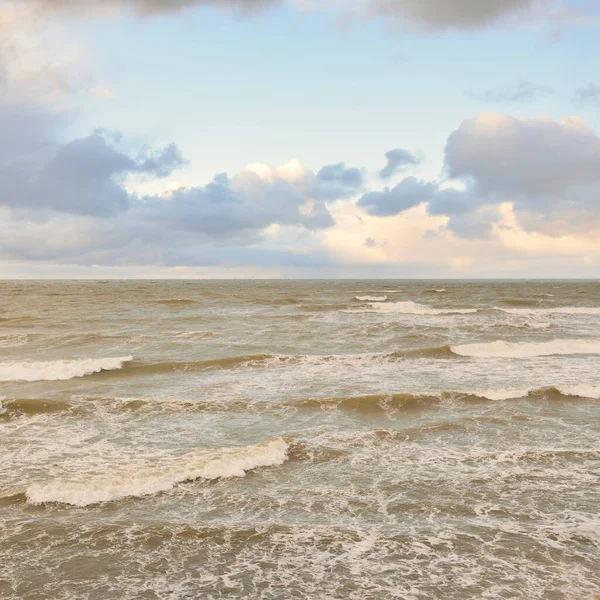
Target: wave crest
[(503, 349), (371, 298), (223, 463), (414, 308), (59, 370)]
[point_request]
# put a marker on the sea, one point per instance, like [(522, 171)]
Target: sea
[(311, 440)]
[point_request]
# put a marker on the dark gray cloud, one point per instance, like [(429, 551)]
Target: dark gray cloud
[(522, 91), (589, 93), (396, 160), (459, 14), (392, 201)]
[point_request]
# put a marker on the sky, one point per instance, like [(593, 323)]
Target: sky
[(299, 139)]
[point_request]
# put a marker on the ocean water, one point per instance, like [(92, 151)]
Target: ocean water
[(300, 439)]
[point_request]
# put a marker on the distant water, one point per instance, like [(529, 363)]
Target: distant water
[(313, 440)]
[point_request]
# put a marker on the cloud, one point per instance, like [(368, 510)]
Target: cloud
[(392, 201), (104, 93), (507, 156), (589, 93), (144, 7), (73, 197), (84, 176), (334, 182), (523, 90), (427, 14), (237, 208), (396, 160), (462, 14), (547, 171)]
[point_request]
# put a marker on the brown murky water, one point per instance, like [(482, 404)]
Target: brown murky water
[(317, 440)]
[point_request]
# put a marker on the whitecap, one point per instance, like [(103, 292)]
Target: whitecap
[(371, 298), (162, 477), (414, 308), (503, 349), (564, 310), (58, 370)]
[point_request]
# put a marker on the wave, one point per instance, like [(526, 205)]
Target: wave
[(30, 407), (59, 370), (565, 310), (428, 352), (434, 291), (519, 302), (414, 308), (219, 464), (372, 403), (175, 301), (13, 340), (371, 298), (275, 360), (276, 301), (560, 392), (195, 334), (503, 349), (527, 308), (228, 362)]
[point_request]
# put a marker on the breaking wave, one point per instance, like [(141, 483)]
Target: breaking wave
[(503, 349), (564, 310), (223, 463), (414, 308), (59, 370), (371, 298), (30, 407)]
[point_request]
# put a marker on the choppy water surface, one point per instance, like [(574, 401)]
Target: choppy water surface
[(318, 440)]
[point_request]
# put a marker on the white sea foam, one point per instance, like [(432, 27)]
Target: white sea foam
[(503, 349), (434, 291), (371, 298), (58, 370), (500, 393), (589, 529), (414, 308), (195, 334), (222, 463), (564, 310), (13, 340), (582, 391)]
